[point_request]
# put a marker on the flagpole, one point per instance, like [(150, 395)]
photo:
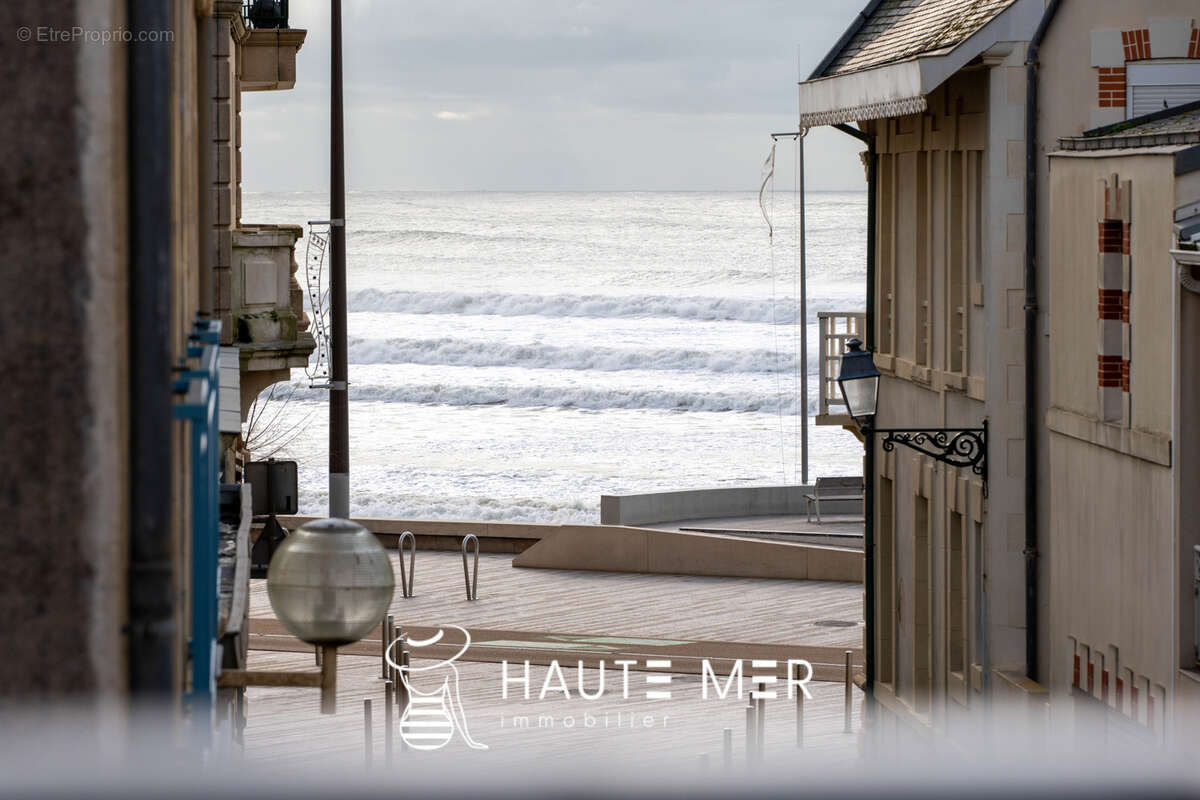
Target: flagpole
[(339, 420)]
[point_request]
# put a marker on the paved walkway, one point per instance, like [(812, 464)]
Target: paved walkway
[(568, 617)]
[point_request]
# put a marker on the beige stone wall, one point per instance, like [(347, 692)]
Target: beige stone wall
[(933, 345), (1112, 511)]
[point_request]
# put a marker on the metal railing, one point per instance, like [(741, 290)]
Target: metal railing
[(835, 329), (265, 13), (198, 384)]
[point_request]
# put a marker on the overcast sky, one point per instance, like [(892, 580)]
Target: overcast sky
[(551, 95)]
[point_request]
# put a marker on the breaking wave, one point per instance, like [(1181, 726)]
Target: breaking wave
[(468, 353), (567, 397), (738, 309), (391, 503)]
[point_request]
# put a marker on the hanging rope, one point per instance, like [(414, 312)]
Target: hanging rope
[(768, 172)]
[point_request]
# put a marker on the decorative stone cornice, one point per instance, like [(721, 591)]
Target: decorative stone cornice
[(232, 10)]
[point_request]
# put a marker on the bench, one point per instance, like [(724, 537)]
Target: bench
[(839, 488)]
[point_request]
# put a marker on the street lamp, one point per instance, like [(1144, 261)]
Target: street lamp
[(329, 583), (859, 384)]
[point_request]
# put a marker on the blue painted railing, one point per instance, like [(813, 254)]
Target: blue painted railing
[(199, 384)]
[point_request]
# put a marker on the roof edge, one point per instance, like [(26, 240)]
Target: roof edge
[(1115, 128), (854, 27)]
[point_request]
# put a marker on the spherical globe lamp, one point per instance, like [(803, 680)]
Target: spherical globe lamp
[(330, 582)]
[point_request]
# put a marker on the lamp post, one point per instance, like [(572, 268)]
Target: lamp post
[(858, 382), (329, 583)]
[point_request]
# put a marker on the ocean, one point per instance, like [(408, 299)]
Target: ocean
[(513, 356)]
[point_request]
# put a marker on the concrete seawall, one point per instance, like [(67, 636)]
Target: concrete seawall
[(621, 548), (742, 501)]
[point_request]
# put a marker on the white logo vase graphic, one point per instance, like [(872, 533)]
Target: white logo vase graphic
[(431, 718)]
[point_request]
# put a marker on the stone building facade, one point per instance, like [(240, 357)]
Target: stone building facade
[(942, 93)]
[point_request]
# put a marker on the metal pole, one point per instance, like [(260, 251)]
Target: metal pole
[(385, 628), (868, 568), (760, 727), (803, 319), (339, 419), (397, 656), (848, 726), (727, 746), (750, 731), (368, 741), (388, 724), (799, 711), (403, 675), (153, 666), (328, 679)]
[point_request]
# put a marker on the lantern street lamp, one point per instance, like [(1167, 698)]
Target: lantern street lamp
[(859, 384), (329, 582)]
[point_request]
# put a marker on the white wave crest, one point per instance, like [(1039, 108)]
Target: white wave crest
[(567, 397), (468, 353), (739, 309), (392, 504)]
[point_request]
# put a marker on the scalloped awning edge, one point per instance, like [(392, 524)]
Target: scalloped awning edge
[(882, 110)]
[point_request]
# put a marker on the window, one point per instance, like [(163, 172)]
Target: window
[(1153, 86)]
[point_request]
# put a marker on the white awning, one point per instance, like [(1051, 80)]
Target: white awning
[(892, 90)]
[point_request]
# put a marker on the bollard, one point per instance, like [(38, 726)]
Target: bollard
[(727, 745), (397, 645), (751, 728), (402, 687), (407, 578), (368, 744), (848, 727), (760, 714), (799, 711), (388, 725), (471, 581), (385, 632)]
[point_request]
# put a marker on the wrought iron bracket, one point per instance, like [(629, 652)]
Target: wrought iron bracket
[(958, 447)]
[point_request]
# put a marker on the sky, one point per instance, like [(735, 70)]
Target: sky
[(552, 95)]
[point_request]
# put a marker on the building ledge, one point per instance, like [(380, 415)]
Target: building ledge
[(260, 356), (1150, 447), (269, 59)]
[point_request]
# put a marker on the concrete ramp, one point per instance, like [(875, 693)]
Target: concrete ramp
[(612, 548)]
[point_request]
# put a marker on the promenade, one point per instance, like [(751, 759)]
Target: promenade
[(564, 618)]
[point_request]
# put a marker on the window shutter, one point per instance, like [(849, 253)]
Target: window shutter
[(1148, 99), (1153, 86)]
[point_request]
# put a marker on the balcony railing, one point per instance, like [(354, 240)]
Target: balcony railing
[(835, 328), (265, 13)]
